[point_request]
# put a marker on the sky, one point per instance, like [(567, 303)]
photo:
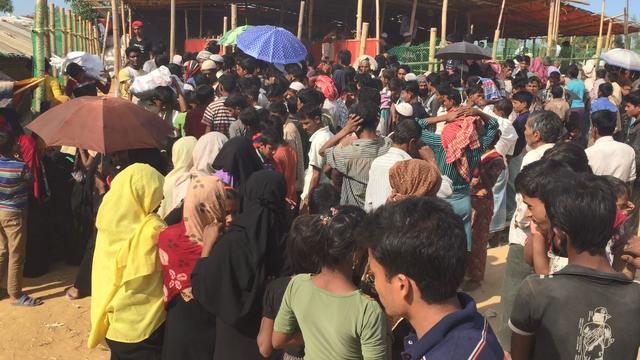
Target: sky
[(613, 7)]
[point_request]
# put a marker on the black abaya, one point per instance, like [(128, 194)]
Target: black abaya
[(188, 323)]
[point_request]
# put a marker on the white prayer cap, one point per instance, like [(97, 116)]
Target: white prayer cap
[(404, 109), (410, 77), (296, 86)]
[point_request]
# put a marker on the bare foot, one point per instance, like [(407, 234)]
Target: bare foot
[(72, 293)]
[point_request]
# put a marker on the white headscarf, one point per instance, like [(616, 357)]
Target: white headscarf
[(182, 159)]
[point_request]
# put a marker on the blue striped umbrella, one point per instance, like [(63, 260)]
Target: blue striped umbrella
[(272, 44)]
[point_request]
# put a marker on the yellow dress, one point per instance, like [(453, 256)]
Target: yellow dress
[(127, 297)]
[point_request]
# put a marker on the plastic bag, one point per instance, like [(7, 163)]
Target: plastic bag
[(144, 85), (92, 64)]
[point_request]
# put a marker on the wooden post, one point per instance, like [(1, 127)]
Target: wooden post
[(300, 20), (443, 34), (281, 13), (53, 48), (124, 24), (201, 15), (550, 27), (87, 38), (130, 30), (72, 44), (359, 19), (496, 34), (573, 41), (45, 31), (310, 21), (69, 31), (412, 19), (225, 25), (234, 16), (599, 42), (172, 30), (363, 39), (116, 45), (432, 48), (63, 32), (378, 25), (556, 28), (626, 27), (608, 38), (104, 37), (186, 24), (80, 31)]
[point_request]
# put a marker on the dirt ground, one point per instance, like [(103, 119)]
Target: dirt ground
[(59, 328)]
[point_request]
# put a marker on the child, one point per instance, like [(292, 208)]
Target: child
[(587, 310), (616, 244), (336, 319), (558, 104), (417, 253), (311, 120), (301, 251), (521, 103), (231, 205), (14, 196)]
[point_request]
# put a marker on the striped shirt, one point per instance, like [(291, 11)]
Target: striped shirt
[(353, 162), (434, 141), (218, 116), (15, 179)]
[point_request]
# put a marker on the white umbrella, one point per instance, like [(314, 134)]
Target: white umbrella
[(625, 59)]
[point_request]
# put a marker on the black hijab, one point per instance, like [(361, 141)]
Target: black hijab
[(238, 157), (230, 282)]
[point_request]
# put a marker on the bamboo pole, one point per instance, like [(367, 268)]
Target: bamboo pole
[(281, 22), (300, 20), (599, 42), (72, 44), (124, 24), (443, 34), (556, 28), (359, 19), (225, 25), (363, 39), (130, 30), (608, 38), (550, 27), (378, 26), (45, 32), (186, 24), (234, 16), (626, 27), (412, 19), (104, 38), (116, 45), (53, 48), (310, 21), (69, 31), (432, 48), (85, 26), (172, 30), (201, 15), (38, 54), (63, 32)]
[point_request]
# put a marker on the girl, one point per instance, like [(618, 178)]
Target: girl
[(335, 318)]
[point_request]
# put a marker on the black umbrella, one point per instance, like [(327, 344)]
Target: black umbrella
[(462, 51)]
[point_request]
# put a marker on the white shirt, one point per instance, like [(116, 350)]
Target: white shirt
[(508, 138), (379, 188), (519, 227), (319, 138), (609, 157)]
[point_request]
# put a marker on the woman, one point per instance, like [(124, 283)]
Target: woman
[(230, 282), (182, 159), (203, 154), (190, 329), (413, 178), (127, 307), (236, 161)]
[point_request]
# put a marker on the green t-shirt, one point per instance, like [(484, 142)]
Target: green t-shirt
[(179, 122), (346, 327)]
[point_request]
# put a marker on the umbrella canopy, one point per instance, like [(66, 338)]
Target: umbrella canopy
[(462, 51), (231, 36), (625, 59), (102, 124), (272, 44)]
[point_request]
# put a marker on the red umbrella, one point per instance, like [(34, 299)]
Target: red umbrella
[(103, 124)]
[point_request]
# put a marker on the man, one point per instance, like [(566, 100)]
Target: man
[(587, 310), (203, 56), (533, 87), (632, 138), (130, 72), (310, 117), (417, 255), (156, 51), (558, 104), (410, 95), (139, 41), (607, 156), (208, 70), (246, 67), (193, 122), (217, 117), (364, 67), (353, 161), (542, 130)]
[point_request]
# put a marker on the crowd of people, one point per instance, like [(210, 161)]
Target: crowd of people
[(343, 210)]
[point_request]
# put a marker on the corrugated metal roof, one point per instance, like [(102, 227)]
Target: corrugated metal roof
[(15, 36)]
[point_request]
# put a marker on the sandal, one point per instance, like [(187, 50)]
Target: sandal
[(28, 301)]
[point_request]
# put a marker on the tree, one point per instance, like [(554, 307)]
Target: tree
[(83, 8), (6, 6)]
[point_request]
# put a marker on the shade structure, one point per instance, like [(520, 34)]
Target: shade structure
[(622, 58), (272, 44), (102, 124), (231, 36), (462, 51)]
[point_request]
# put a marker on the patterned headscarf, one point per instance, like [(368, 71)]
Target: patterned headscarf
[(326, 86), (413, 178), (191, 68), (203, 206)]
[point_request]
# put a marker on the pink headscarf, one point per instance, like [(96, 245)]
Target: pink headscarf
[(327, 87), (537, 67)]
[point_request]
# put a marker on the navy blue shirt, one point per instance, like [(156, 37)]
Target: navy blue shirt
[(464, 334), (519, 124)]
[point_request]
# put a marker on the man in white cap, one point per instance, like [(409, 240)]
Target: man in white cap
[(202, 56), (404, 111), (208, 70)]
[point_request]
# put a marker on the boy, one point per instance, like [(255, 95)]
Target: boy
[(14, 194), (130, 72), (558, 104), (417, 255), (521, 103), (237, 104), (310, 117), (587, 310)]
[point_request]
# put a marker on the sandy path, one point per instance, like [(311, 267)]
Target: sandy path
[(58, 329)]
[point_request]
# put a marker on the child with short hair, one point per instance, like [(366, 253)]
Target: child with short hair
[(310, 117), (587, 310), (521, 101)]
